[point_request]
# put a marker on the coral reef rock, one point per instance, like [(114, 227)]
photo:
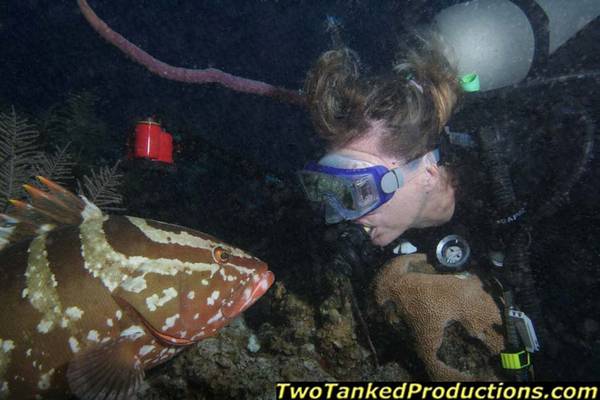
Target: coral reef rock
[(291, 339), (229, 366), (337, 341), (454, 323)]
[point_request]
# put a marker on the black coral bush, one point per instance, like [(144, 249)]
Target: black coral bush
[(21, 159), (19, 150)]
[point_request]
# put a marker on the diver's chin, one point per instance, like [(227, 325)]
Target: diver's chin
[(382, 238)]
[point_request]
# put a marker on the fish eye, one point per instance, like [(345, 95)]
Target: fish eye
[(221, 255)]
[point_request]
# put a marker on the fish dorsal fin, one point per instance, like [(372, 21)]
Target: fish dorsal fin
[(107, 371), (45, 212)]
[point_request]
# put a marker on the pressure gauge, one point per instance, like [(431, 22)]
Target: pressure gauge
[(453, 252)]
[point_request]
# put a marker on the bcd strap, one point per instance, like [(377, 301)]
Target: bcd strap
[(539, 23)]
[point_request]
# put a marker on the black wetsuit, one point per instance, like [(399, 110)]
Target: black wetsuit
[(546, 146)]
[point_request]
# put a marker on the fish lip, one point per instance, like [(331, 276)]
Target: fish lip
[(269, 277), (265, 280)]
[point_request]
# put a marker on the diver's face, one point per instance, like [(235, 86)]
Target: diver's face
[(403, 211)]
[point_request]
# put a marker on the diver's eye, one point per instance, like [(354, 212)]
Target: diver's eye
[(221, 255)]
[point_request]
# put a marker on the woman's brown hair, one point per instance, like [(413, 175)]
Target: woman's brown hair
[(414, 101)]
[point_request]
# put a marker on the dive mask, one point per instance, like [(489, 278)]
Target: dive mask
[(348, 192)]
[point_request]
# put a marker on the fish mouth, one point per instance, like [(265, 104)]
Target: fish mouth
[(264, 282), (269, 278)]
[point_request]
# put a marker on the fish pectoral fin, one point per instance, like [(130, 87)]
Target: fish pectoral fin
[(109, 371)]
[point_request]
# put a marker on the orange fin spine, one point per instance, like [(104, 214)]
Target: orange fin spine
[(45, 211), (53, 207), (69, 199)]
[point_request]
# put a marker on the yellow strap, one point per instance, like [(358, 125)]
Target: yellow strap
[(518, 360)]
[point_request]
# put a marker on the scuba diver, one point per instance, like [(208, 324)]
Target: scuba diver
[(387, 166)]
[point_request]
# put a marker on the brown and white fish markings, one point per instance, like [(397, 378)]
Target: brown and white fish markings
[(89, 301)]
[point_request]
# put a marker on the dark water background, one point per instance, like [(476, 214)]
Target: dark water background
[(230, 141), (49, 51)]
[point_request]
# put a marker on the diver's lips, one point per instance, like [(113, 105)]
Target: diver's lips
[(373, 233), (376, 237)]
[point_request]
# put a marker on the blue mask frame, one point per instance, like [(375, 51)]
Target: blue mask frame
[(350, 193)]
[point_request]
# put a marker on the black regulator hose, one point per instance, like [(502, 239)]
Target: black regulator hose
[(510, 221), (504, 194), (561, 195), (526, 292), (517, 272), (510, 214)]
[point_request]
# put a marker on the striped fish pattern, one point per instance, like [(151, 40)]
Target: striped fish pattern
[(89, 301)]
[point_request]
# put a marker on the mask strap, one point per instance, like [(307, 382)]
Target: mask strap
[(394, 178)]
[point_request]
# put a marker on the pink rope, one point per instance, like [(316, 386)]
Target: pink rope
[(188, 75)]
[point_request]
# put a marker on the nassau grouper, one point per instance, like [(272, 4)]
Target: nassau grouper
[(89, 301)]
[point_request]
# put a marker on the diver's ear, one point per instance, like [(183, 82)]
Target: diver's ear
[(431, 177)]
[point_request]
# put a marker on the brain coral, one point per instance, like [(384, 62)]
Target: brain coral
[(429, 303)]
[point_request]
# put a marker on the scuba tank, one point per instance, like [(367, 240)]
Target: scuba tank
[(501, 41)]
